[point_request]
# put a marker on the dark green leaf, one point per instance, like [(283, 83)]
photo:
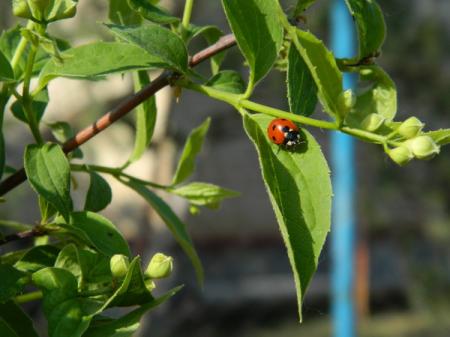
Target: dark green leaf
[(17, 320), (38, 107), (299, 187), (98, 230), (191, 149), (97, 59), (152, 13), (126, 325), (370, 26), (175, 225), (165, 48), (302, 90), (12, 282), (48, 172), (6, 71), (227, 80), (323, 68), (121, 13), (202, 194), (145, 119), (62, 131), (37, 258), (99, 194), (258, 32)]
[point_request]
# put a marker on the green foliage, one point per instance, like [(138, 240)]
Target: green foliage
[(99, 194), (152, 13), (299, 187), (227, 80), (14, 322)]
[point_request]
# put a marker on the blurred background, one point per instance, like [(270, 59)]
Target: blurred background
[(402, 267)]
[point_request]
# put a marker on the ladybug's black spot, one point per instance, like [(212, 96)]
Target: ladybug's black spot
[(285, 129), (283, 119), (273, 127), (274, 139)]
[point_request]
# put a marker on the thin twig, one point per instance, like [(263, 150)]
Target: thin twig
[(124, 108)]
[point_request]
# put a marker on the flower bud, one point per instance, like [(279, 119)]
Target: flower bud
[(150, 285), (410, 128), (372, 122), (423, 147), (401, 155), (44, 11), (119, 265), (160, 266), (346, 102)]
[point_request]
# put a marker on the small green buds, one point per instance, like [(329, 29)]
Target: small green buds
[(423, 147), (401, 155), (160, 266), (44, 11), (119, 265), (372, 122), (410, 128), (346, 102)]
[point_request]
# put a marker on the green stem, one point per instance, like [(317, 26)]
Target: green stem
[(25, 298), (187, 13), (20, 48), (116, 172)]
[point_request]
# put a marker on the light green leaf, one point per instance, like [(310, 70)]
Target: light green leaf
[(323, 68), (258, 32), (165, 47), (48, 172), (68, 259), (191, 149), (378, 97), (121, 13), (299, 187), (126, 325), (152, 13), (369, 24), (441, 137), (302, 5), (99, 194), (37, 258), (12, 283), (145, 119), (6, 71), (16, 320), (38, 106), (203, 194), (97, 59), (62, 131), (302, 90), (227, 80), (175, 225)]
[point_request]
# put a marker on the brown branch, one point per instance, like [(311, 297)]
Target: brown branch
[(37, 231), (123, 108)]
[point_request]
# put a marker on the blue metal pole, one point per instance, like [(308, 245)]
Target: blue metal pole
[(342, 149)]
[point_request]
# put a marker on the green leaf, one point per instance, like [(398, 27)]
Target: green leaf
[(121, 13), (379, 96), (68, 259), (62, 131), (302, 90), (152, 13), (191, 149), (38, 106), (46, 209), (96, 59), (12, 283), (202, 194), (37, 258), (166, 48), (227, 80), (145, 119), (99, 194), (175, 225), (16, 321), (132, 290), (9, 41), (323, 68), (48, 172), (299, 187), (258, 32), (126, 325), (302, 5), (99, 231), (441, 137), (6, 71), (369, 24)]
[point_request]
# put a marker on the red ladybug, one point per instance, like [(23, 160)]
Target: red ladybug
[(283, 132)]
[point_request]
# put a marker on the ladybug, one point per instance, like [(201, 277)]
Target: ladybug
[(284, 132)]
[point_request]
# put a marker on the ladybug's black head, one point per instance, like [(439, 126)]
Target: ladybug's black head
[(292, 138)]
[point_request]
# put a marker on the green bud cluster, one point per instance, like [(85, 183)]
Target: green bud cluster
[(421, 147), (410, 128), (160, 266), (44, 11)]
